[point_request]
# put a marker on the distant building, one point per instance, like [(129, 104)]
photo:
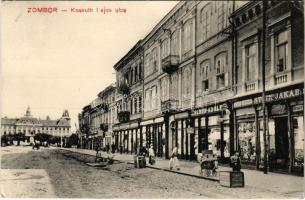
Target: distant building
[(31, 125)]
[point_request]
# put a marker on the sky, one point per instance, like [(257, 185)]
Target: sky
[(62, 60)]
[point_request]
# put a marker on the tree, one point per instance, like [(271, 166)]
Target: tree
[(73, 139), (19, 137), (42, 137)]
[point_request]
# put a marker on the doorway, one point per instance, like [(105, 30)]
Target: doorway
[(281, 142)]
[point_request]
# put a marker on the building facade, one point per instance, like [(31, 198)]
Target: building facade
[(195, 82), (284, 67), (30, 125), (129, 100)]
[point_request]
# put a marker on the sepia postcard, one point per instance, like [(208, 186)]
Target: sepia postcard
[(152, 99)]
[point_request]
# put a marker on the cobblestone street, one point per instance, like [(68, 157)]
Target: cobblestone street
[(54, 173)]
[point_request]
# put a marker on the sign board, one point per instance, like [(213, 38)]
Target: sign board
[(231, 179)]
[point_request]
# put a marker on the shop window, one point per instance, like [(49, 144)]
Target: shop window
[(298, 129), (247, 141), (281, 49)]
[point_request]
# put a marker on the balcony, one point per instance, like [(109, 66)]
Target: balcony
[(250, 86), (169, 106), (104, 107), (281, 78), (124, 116), (104, 127), (124, 89), (170, 64)]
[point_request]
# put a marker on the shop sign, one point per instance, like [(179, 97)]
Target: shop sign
[(243, 103), (206, 110), (298, 108), (278, 109), (280, 95)]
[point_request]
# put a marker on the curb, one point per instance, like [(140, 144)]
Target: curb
[(162, 169)]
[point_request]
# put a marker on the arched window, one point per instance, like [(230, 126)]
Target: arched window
[(165, 48), (205, 21), (175, 88), (175, 43), (204, 74), (221, 70), (187, 36), (186, 82)]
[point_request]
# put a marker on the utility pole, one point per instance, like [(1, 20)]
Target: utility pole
[(264, 87)]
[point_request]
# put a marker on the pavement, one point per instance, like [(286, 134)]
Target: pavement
[(286, 183)]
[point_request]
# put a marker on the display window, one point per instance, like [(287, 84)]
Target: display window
[(215, 142), (247, 141), (298, 130)]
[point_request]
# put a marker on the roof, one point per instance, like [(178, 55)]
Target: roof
[(125, 59), (106, 90), (8, 121)]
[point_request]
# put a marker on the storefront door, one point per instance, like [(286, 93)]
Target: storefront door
[(281, 141)]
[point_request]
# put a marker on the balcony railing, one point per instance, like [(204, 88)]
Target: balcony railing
[(124, 116), (279, 79), (250, 86), (170, 64), (169, 105)]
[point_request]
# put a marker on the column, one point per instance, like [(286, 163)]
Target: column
[(199, 135), (290, 139), (258, 147), (182, 139)]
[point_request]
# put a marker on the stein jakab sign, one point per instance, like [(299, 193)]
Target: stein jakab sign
[(280, 95)]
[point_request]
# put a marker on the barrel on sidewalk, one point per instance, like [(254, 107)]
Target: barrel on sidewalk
[(139, 161)]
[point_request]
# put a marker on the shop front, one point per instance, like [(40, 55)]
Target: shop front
[(212, 130), (127, 137), (284, 130), (153, 133)]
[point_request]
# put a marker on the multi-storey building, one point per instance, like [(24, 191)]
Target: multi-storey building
[(284, 68), (97, 119), (200, 76), (107, 110), (129, 74), (30, 125)]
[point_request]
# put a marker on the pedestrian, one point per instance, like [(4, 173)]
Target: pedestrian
[(107, 147), (112, 148), (151, 154), (235, 162), (174, 162)]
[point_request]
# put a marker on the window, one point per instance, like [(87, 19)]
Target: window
[(175, 43), (135, 104), (154, 97), (187, 36), (147, 100), (140, 104), (221, 15), (204, 73), (221, 79), (164, 89), (205, 20), (250, 62), (147, 64), (281, 51), (154, 60), (186, 84), (165, 48)]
